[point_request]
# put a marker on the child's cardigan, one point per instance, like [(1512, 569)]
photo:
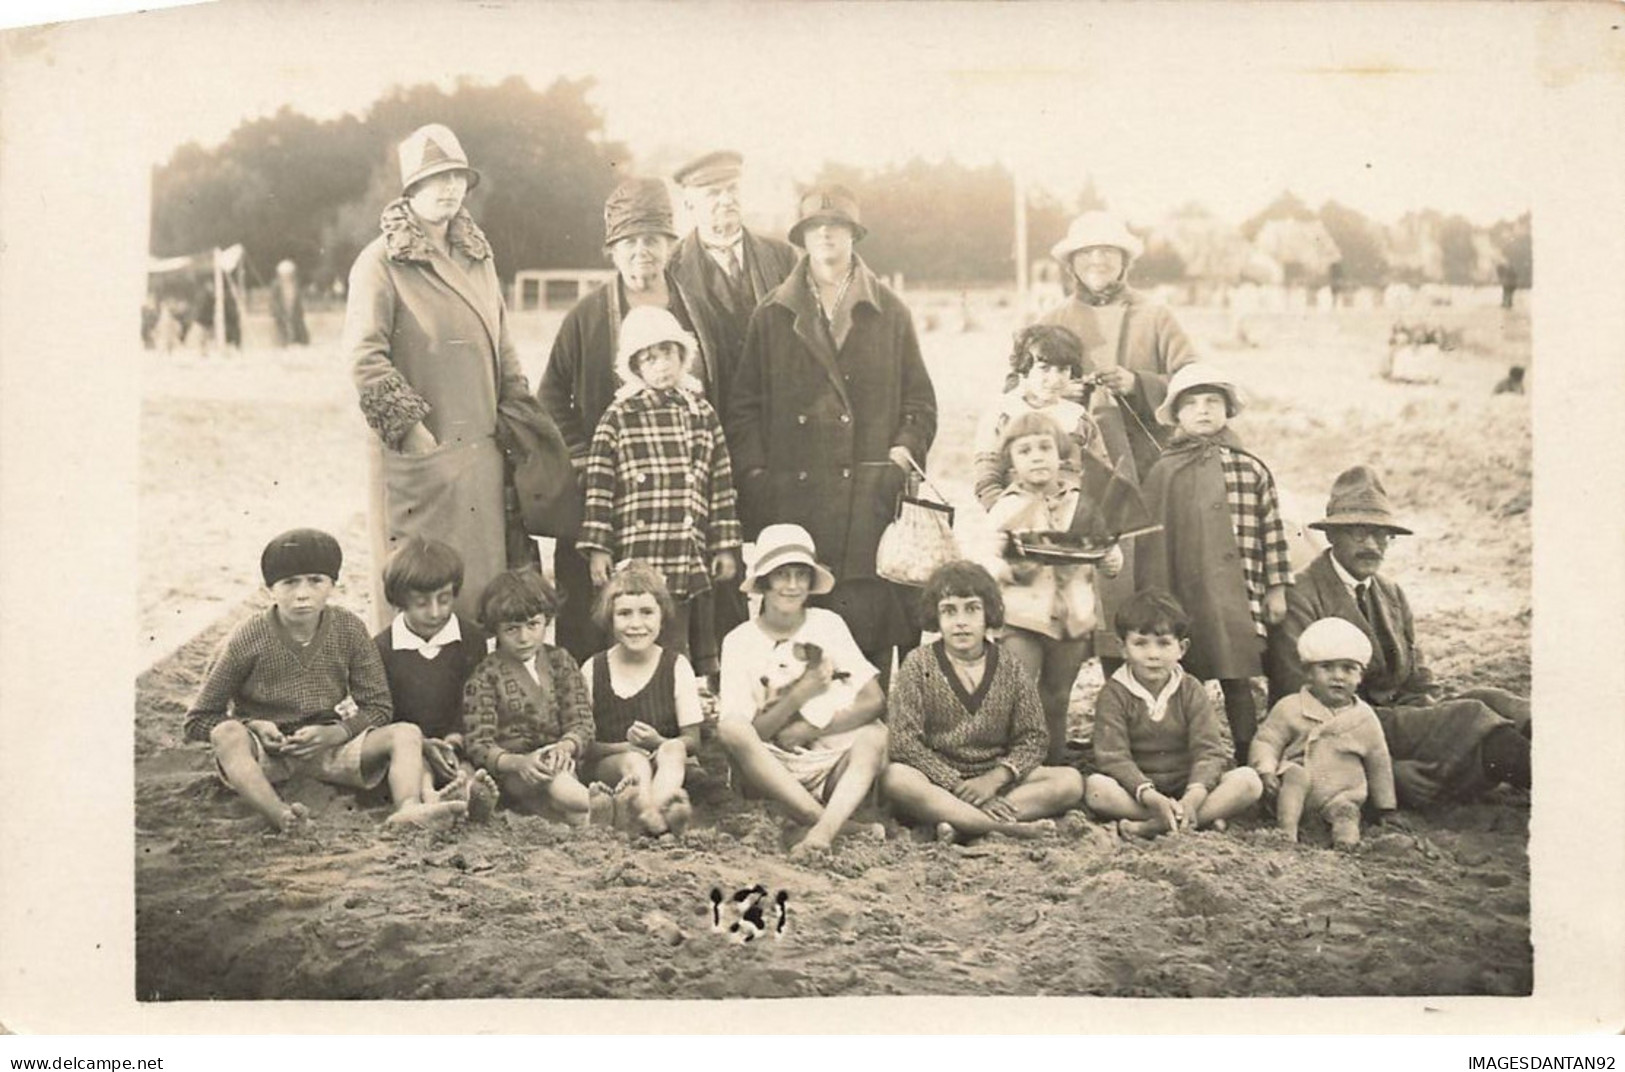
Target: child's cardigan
[(505, 710), (1343, 750)]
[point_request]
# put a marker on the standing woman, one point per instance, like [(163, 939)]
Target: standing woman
[(1134, 347), (427, 332), (830, 408)]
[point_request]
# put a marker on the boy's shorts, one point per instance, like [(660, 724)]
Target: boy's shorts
[(810, 767), (339, 765)]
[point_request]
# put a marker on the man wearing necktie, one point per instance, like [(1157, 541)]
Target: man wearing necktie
[(1442, 747), (724, 272)]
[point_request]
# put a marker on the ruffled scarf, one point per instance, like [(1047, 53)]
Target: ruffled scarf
[(406, 240), (1112, 293)]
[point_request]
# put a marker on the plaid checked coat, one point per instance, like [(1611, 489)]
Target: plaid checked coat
[(660, 486), (1222, 545)]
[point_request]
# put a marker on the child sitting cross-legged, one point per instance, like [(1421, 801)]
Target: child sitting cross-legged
[(1322, 748), (300, 690), (1158, 751), (645, 701), (525, 707), (428, 652), (967, 729)]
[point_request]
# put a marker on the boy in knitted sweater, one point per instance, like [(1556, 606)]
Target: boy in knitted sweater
[(967, 728), (1322, 748), (300, 690), (1160, 758), (527, 714), (428, 652)]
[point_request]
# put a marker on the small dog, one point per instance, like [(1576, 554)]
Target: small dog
[(790, 660)]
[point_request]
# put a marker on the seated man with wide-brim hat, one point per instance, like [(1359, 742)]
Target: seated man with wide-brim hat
[(1443, 747)]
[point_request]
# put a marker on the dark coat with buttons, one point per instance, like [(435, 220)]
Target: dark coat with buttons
[(810, 423)]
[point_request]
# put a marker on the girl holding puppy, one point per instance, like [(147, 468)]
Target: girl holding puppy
[(645, 702)]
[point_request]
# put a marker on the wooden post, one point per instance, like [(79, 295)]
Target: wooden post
[(219, 305), (1021, 240)]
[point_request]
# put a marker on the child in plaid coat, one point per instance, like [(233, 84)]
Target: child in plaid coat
[(1222, 550), (659, 484)]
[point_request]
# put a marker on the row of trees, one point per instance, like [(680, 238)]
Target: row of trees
[(289, 186)]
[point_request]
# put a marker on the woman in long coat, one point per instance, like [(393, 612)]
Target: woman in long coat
[(427, 334), (1135, 347), (830, 402)]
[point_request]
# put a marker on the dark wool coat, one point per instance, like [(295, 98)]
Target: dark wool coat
[(810, 426), (427, 338), (720, 317), (1417, 725)]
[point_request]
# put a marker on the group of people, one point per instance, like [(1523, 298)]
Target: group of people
[(725, 387)]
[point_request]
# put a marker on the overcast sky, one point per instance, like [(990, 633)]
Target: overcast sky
[(1386, 108)]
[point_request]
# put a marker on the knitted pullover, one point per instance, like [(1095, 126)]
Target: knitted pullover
[(506, 710), (261, 672), (1181, 749), (950, 735)]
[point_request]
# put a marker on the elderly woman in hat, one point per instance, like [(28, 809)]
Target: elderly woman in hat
[(1131, 347), (831, 407), (580, 382), (427, 335)]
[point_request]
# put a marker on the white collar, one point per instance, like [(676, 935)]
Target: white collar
[(530, 666), (1157, 705), (736, 245), (1344, 575), (401, 637)]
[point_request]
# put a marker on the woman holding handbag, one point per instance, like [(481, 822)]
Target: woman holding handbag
[(830, 408), (426, 332)]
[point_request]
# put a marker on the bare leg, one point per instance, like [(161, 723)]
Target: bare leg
[(670, 767), (1289, 805), (637, 795), (1344, 816), (1054, 666), (916, 796), (1110, 800), (1046, 791), (234, 746), (400, 745), (853, 777), (1238, 790), (767, 775), (569, 798)]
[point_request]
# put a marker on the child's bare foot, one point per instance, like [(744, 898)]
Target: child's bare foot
[(651, 822), (813, 842), (1037, 828), (293, 817), (440, 815), (866, 831), (456, 789), (678, 812), (626, 814), (946, 833), (1218, 826), (483, 795), (1144, 828), (601, 807)]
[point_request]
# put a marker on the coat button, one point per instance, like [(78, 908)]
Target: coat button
[(846, 418), (801, 476), (643, 478), (801, 418), (846, 474)]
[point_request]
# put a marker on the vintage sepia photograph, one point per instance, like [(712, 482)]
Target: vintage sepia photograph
[(714, 501)]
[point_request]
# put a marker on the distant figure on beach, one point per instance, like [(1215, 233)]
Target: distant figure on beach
[(426, 333), (299, 690), (1508, 275), (288, 307), (1443, 747), (1513, 384)]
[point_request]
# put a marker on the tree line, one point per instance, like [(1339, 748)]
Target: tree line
[(289, 186)]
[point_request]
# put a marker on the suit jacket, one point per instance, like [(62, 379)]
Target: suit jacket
[(1396, 676)]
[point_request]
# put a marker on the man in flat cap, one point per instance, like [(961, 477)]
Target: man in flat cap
[(1442, 747), (724, 272)]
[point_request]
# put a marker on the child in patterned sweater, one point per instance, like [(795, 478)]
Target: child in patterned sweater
[(967, 729), (299, 689), (428, 652), (1322, 747), (525, 710), (1160, 758)]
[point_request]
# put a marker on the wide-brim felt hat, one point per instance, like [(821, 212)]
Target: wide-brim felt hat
[(1198, 374), (827, 204), (786, 545), (638, 206), (1358, 498), (1097, 229), (433, 150), (724, 165)]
